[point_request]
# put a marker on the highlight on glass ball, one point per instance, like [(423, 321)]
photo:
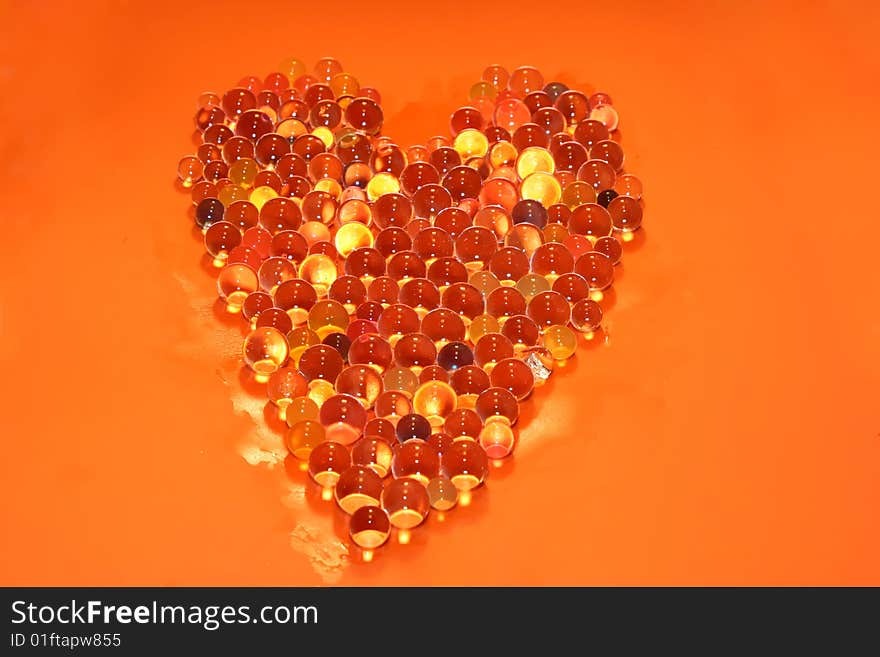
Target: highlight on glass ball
[(400, 303)]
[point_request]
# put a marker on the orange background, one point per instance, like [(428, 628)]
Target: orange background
[(727, 432)]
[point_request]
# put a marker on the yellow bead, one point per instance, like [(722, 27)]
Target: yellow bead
[(351, 236), (328, 316), (325, 135), (381, 184), (244, 171), (299, 410), (471, 143), (260, 195), (481, 325), (560, 341), (320, 271), (302, 437), (542, 187), (534, 159), (434, 400)]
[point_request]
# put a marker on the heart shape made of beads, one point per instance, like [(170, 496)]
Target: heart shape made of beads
[(401, 304)]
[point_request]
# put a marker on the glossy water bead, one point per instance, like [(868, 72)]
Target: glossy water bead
[(415, 459), (497, 404), (361, 382), (497, 439), (265, 350), (434, 400), (234, 283), (373, 452), (327, 461), (466, 465), (442, 493), (284, 385), (406, 502), (303, 437), (596, 268), (369, 527), (586, 315), (560, 341), (358, 487), (344, 418)]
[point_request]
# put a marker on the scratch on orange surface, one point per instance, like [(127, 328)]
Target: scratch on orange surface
[(327, 554), (262, 446)]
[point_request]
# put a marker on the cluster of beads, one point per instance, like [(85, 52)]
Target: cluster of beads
[(401, 303)]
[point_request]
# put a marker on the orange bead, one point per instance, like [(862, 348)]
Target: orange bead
[(465, 464), (406, 502), (358, 487), (415, 459)]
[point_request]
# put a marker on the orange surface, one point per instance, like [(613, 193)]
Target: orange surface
[(727, 433)]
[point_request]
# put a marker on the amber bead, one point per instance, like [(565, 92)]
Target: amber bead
[(369, 312), (274, 271), (532, 284), (406, 502), (497, 439), (586, 315), (401, 378), (572, 286), (373, 453), (339, 341), (414, 350), (443, 272), (481, 325), (578, 245), (468, 382), (504, 302), (301, 438), (344, 418), (465, 464), (234, 283), (610, 247), (393, 405), (300, 409), (509, 264), (405, 265), (415, 459), (365, 263), (254, 304), (364, 114), (513, 375), (590, 219), (491, 348), (560, 341), (484, 281), (220, 238), (548, 308), (442, 493), (285, 384), (357, 487), (397, 320), (321, 361), (463, 299), (452, 220), (429, 200), (275, 318), (370, 349), (596, 268), (420, 294), (443, 325), (265, 350), (327, 462), (522, 331), (381, 428), (497, 404), (463, 424), (369, 528), (628, 185), (626, 213), (296, 297)]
